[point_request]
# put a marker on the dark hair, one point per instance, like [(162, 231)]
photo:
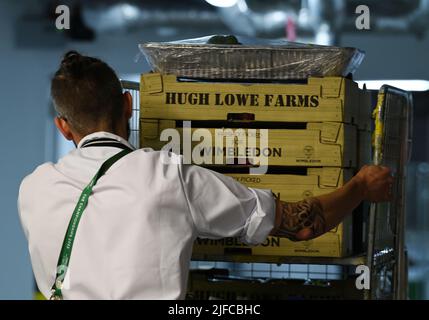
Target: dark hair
[(87, 93)]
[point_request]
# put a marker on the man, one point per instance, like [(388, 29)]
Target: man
[(135, 238)]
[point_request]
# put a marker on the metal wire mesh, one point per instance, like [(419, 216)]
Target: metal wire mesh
[(395, 144), (274, 271), (384, 280), (133, 88), (386, 252)]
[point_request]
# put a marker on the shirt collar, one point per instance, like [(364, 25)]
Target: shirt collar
[(103, 134)]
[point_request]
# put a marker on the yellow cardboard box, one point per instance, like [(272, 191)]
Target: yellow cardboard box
[(319, 100), (335, 243), (327, 144)]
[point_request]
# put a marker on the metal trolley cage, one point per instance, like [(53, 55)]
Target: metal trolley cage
[(385, 255), (392, 148)]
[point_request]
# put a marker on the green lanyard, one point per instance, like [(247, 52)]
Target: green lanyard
[(64, 258)]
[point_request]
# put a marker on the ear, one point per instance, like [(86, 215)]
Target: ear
[(128, 105), (64, 128)]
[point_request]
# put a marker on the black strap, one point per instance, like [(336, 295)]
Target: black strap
[(66, 248), (106, 142)]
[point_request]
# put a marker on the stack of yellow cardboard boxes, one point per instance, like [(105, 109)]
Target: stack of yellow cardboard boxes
[(318, 134)]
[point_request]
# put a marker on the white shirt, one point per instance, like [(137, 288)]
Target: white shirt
[(135, 238)]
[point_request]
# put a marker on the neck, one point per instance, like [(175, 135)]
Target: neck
[(120, 128), (123, 135)]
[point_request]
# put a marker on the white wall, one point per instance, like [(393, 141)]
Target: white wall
[(23, 109)]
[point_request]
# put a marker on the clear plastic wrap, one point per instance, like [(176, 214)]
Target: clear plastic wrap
[(251, 59)]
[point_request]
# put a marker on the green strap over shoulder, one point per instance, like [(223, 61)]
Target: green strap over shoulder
[(66, 249)]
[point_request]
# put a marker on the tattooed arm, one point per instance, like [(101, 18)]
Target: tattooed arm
[(313, 217), (302, 220)]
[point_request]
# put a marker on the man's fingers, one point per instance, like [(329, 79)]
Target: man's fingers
[(304, 234), (385, 171), (379, 182)]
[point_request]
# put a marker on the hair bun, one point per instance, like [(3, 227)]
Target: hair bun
[(71, 56), (73, 63)]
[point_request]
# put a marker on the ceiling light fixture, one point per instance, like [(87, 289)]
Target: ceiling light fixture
[(222, 3)]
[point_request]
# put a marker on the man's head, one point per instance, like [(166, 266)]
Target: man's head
[(88, 98)]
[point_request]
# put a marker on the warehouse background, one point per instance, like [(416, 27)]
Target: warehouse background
[(30, 50)]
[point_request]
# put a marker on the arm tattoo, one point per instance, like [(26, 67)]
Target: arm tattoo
[(306, 214)]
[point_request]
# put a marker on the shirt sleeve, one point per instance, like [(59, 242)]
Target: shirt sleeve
[(222, 207)]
